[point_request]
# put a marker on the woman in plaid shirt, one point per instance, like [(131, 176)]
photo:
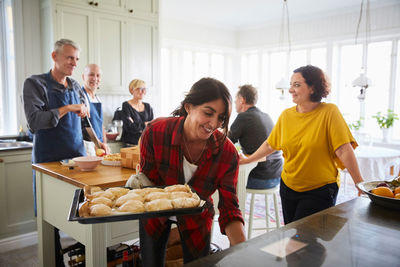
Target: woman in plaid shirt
[(189, 148)]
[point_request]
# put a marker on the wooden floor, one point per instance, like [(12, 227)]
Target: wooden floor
[(27, 257)]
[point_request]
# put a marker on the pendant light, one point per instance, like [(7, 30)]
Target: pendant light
[(284, 83), (363, 81)]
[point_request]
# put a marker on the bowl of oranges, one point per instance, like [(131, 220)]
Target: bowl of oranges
[(383, 193)]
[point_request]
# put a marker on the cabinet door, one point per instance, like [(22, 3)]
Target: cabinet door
[(77, 25), (16, 198), (142, 7), (110, 52), (142, 51), (102, 5)]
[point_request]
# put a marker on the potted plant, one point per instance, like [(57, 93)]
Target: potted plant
[(385, 122), (356, 125)]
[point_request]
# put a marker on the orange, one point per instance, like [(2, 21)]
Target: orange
[(382, 191), (397, 196), (396, 190)]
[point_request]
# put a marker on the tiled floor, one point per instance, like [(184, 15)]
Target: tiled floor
[(27, 256)]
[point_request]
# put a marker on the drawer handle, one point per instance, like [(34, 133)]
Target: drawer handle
[(130, 10), (1, 160)]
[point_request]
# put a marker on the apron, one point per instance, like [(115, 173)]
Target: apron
[(64, 141), (96, 117)]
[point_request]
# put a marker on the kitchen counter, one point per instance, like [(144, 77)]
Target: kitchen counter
[(354, 233), (103, 176), (55, 188)]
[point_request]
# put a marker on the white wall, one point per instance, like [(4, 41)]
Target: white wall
[(191, 33), (385, 20)]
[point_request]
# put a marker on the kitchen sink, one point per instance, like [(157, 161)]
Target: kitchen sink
[(15, 145)]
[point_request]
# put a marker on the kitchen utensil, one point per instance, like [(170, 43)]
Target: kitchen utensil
[(86, 123), (87, 163)]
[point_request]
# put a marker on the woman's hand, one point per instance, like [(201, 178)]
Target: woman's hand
[(243, 159), (264, 150), (235, 232), (346, 155)]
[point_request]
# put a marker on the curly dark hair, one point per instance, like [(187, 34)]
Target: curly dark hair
[(207, 90), (317, 79)]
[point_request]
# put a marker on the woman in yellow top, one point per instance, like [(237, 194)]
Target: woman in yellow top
[(315, 141)]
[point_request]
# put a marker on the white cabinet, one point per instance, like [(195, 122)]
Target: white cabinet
[(142, 51), (139, 8), (16, 193), (123, 44)]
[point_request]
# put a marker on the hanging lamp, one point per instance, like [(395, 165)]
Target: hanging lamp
[(363, 81), (284, 84)]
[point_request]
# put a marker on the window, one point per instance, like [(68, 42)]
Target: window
[(8, 110), (181, 67)]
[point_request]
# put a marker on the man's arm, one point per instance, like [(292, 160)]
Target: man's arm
[(36, 106), (236, 129)]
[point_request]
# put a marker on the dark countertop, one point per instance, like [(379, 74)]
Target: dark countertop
[(354, 233)]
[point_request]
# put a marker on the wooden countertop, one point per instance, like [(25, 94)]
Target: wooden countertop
[(354, 233), (103, 176)]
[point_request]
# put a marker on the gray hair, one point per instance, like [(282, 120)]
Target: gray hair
[(60, 43)]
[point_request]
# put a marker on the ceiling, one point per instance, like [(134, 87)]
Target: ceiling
[(248, 13)]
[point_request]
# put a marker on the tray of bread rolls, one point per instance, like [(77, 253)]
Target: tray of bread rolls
[(95, 205)]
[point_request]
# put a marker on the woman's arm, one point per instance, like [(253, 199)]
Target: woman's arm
[(346, 155), (235, 232), (131, 124), (264, 150)]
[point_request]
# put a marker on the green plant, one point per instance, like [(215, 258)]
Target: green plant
[(386, 121), (356, 125)]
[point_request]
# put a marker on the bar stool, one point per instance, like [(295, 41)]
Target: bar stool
[(266, 192)]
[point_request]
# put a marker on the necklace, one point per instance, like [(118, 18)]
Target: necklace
[(190, 156)]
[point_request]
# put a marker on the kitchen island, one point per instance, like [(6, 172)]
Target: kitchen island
[(55, 188), (354, 233)]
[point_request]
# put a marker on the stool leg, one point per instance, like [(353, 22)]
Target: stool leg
[(277, 217), (251, 216), (266, 211), (344, 181)]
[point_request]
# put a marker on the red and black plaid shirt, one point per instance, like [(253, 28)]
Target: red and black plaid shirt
[(161, 153)]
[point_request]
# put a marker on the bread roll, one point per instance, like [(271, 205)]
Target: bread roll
[(100, 210), (89, 190), (132, 196), (179, 203), (156, 195), (100, 194), (135, 206), (101, 200), (118, 191), (158, 204), (84, 209), (177, 188), (137, 191), (148, 190), (178, 194)]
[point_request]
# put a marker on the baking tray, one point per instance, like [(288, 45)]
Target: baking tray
[(79, 198)]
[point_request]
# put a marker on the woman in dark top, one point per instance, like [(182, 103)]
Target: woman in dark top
[(136, 114)]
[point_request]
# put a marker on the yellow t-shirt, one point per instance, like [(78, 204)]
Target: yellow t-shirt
[(309, 141)]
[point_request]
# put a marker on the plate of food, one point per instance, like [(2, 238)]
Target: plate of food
[(95, 205), (383, 193), (68, 163), (112, 159)]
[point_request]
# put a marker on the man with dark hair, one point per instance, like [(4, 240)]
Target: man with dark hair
[(251, 128)]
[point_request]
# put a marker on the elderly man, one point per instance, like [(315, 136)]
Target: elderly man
[(251, 128), (53, 111), (91, 78)]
